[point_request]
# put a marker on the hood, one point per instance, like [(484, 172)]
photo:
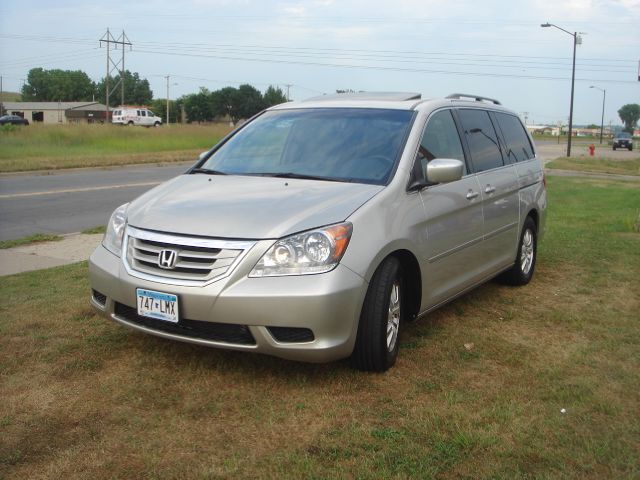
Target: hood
[(245, 207)]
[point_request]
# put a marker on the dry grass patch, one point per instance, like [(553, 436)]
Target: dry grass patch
[(83, 397), (50, 147)]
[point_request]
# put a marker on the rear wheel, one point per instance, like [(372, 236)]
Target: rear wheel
[(522, 271), (382, 315), (129, 124)]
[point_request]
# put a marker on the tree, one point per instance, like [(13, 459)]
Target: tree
[(57, 85), (273, 96), (248, 102), (238, 103), (629, 114), (222, 102), (136, 90), (198, 106), (159, 107)]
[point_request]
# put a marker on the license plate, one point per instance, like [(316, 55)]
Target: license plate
[(158, 305)]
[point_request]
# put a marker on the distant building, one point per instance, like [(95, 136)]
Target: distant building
[(539, 129), (57, 112)]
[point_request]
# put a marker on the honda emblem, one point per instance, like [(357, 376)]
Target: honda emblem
[(167, 259)]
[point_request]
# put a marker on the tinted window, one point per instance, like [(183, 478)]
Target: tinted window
[(359, 145), (518, 146), (482, 139), (143, 113), (440, 139)]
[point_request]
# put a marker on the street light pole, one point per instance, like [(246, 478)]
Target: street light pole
[(604, 96), (576, 39)]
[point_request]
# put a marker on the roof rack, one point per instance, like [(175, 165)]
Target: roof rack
[(477, 98), (368, 96)]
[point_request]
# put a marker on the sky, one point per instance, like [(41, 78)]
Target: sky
[(493, 48)]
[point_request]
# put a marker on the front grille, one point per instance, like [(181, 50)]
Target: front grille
[(219, 332), (195, 259), (291, 334), (100, 298)]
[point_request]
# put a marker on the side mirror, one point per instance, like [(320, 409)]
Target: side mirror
[(443, 170), (202, 155)]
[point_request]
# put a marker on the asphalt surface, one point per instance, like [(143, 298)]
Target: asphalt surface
[(72, 201)]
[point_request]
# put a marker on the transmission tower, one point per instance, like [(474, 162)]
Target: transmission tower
[(113, 65)]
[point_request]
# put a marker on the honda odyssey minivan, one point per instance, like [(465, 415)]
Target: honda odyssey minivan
[(318, 228)]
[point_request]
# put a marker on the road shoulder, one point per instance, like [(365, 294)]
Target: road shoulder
[(72, 248)]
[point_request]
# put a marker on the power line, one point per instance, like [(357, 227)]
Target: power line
[(383, 68), (49, 38)]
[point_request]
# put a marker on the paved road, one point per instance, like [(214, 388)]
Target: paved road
[(71, 201)]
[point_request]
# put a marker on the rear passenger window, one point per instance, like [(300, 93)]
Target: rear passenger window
[(518, 145), (481, 138), (440, 140)]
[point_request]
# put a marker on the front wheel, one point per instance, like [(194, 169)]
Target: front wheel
[(382, 315), (522, 271)]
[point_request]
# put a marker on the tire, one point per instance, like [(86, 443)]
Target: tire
[(157, 124), (631, 149), (614, 148), (522, 271), (383, 314), (129, 124)]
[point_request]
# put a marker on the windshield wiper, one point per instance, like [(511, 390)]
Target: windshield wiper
[(301, 176), (208, 171)]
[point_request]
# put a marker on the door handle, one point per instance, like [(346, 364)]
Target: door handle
[(471, 195), (489, 189)]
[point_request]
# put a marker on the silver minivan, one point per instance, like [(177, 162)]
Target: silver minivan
[(317, 228)]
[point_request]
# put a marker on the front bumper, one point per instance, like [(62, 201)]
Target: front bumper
[(326, 304)]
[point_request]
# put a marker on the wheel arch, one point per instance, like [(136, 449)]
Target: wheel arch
[(535, 216), (413, 280)]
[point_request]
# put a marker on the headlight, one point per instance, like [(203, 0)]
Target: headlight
[(112, 240), (316, 251)]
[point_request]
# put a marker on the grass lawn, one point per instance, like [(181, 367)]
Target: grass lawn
[(39, 147), (85, 398), (38, 237), (630, 166)]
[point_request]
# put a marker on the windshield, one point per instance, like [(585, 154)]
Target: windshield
[(340, 144), (624, 135)]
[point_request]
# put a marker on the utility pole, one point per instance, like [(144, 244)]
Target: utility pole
[(168, 77), (112, 65), (288, 85), (526, 116), (577, 40), (1, 97)]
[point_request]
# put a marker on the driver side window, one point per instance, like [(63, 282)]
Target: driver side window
[(440, 140)]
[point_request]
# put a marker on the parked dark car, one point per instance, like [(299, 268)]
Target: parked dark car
[(623, 140), (13, 120)]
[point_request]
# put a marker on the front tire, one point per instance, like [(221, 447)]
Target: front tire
[(522, 271), (382, 315)]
